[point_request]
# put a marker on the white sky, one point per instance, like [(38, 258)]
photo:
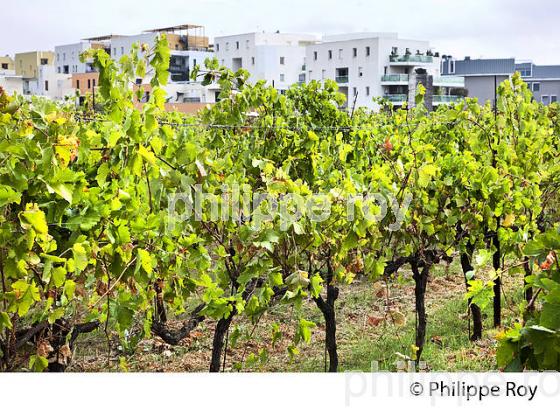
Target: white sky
[(478, 28)]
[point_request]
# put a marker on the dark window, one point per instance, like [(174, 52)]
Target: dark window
[(44, 61), (282, 60), (355, 52), (330, 54), (89, 83), (46, 86), (553, 99), (237, 45), (4, 66), (315, 55), (77, 83), (367, 51)]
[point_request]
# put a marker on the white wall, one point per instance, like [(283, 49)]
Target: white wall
[(58, 87), (372, 67), (11, 83), (260, 54), (69, 55)]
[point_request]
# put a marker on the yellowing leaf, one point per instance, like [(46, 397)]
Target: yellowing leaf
[(508, 220)]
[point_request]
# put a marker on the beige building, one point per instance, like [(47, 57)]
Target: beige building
[(27, 64), (6, 63)]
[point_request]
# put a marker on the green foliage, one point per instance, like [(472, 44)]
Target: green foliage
[(86, 230)]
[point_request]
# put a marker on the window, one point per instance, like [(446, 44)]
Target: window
[(237, 45), (77, 83), (282, 77), (341, 75), (315, 55), (340, 54), (367, 91), (310, 72), (360, 72), (122, 51), (544, 99), (89, 83), (282, 60), (57, 56), (46, 86), (355, 91), (395, 51), (58, 70), (4, 66), (217, 47), (63, 56), (451, 66), (247, 44), (194, 62), (536, 87), (93, 82), (330, 54), (253, 60), (323, 74), (227, 46), (354, 52), (368, 51), (553, 99)]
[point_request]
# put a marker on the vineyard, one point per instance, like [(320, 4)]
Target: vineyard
[(269, 222)]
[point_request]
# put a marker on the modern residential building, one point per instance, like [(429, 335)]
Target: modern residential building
[(85, 83), (188, 45), (68, 55), (277, 58), (6, 64), (368, 65), (51, 84), (27, 64), (482, 77)]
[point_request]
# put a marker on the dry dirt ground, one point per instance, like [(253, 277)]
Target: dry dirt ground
[(375, 330)]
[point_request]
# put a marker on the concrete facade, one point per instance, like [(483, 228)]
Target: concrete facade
[(482, 76), (277, 58), (27, 64), (368, 65)]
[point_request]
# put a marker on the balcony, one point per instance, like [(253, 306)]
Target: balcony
[(446, 99), (341, 79), (397, 99), (390, 79), (409, 59), (449, 81)]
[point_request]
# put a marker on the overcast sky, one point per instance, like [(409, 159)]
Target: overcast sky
[(477, 28)]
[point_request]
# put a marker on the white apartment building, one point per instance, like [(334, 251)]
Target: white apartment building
[(277, 58), (67, 56), (49, 84), (368, 65)]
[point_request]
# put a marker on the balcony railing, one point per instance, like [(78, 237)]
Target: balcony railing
[(341, 79), (395, 78), (409, 58), (446, 98), (450, 80), (396, 98)]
